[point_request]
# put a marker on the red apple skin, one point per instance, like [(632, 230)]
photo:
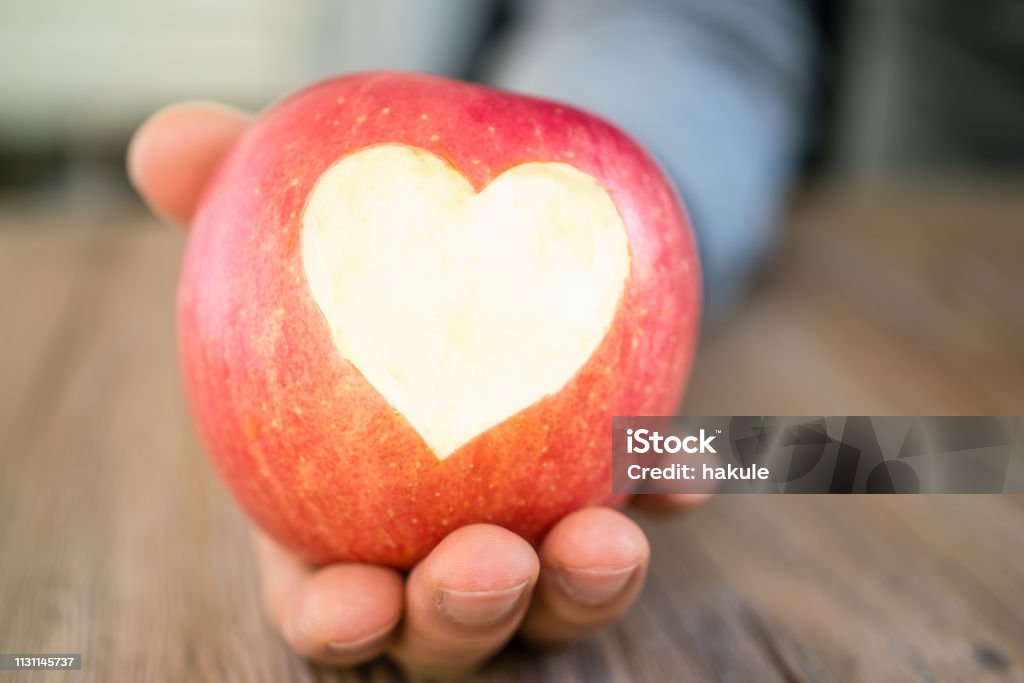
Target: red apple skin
[(312, 452)]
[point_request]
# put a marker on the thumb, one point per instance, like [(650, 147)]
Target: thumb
[(172, 155)]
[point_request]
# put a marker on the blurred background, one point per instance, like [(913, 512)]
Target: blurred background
[(738, 98)]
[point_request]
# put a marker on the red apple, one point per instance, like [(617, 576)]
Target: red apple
[(410, 304)]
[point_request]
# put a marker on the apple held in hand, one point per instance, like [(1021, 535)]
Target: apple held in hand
[(410, 304)]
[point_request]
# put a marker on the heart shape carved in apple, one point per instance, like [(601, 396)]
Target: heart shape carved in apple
[(462, 308)]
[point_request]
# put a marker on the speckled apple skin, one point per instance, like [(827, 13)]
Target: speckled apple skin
[(313, 453)]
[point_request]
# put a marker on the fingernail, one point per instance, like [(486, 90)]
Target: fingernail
[(594, 586), (355, 647), (475, 608)]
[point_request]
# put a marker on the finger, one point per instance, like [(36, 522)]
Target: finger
[(593, 565), (465, 600), (173, 154), (342, 614), (669, 503)]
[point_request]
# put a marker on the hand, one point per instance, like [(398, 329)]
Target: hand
[(482, 583)]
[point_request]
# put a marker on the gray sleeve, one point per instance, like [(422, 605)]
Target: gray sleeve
[(717, 90)]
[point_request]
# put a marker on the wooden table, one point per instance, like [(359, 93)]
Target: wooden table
[(116, 540)]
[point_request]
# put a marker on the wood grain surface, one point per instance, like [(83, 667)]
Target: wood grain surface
[(116, 540)]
